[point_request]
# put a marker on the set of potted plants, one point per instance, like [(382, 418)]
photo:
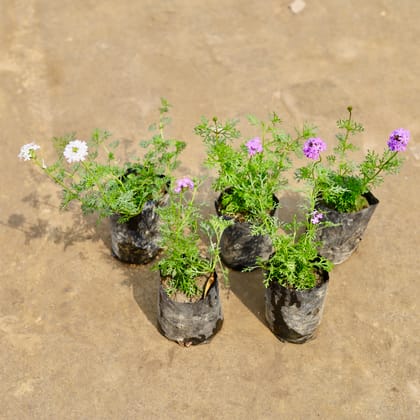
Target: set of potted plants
[(156, 216)]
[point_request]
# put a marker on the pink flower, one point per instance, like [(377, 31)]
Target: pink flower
[(316, 217), (183, 183), (313, 147), (254, 146), (398, 140)]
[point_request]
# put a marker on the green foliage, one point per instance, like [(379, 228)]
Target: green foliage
[(104, 186), (184, 258), (294, 262), (251, 179), (341, 182), (341, 192)]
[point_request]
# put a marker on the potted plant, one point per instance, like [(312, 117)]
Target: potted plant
[(128, 193), (189, 308), (344, 188), (296, 277), (248, 178)]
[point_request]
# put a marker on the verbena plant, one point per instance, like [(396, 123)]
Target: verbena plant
[(90, 173), (341, 182), (295, 262), (185, 258), (248, 176)]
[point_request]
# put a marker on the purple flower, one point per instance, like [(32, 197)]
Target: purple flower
[(254, 146), (398, 140), (183, 183), (313, 147), (316, 217)]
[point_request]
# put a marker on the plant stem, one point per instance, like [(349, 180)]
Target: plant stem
[(380, 169), (101, 191), (56, 180), (344, 145)]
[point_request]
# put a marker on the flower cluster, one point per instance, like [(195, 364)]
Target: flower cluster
[(75, 151)]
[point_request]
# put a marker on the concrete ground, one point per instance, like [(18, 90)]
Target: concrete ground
[(78, 336)]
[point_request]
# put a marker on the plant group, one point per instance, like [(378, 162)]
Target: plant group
[(249, 175)]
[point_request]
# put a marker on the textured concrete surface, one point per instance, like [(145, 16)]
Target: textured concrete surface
[(78, 337)]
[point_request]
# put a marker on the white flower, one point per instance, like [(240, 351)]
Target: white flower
[(76, 151), (25, 151)]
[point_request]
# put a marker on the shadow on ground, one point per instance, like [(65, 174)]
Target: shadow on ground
[(249, 289), (145, 285), (82, 228)]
